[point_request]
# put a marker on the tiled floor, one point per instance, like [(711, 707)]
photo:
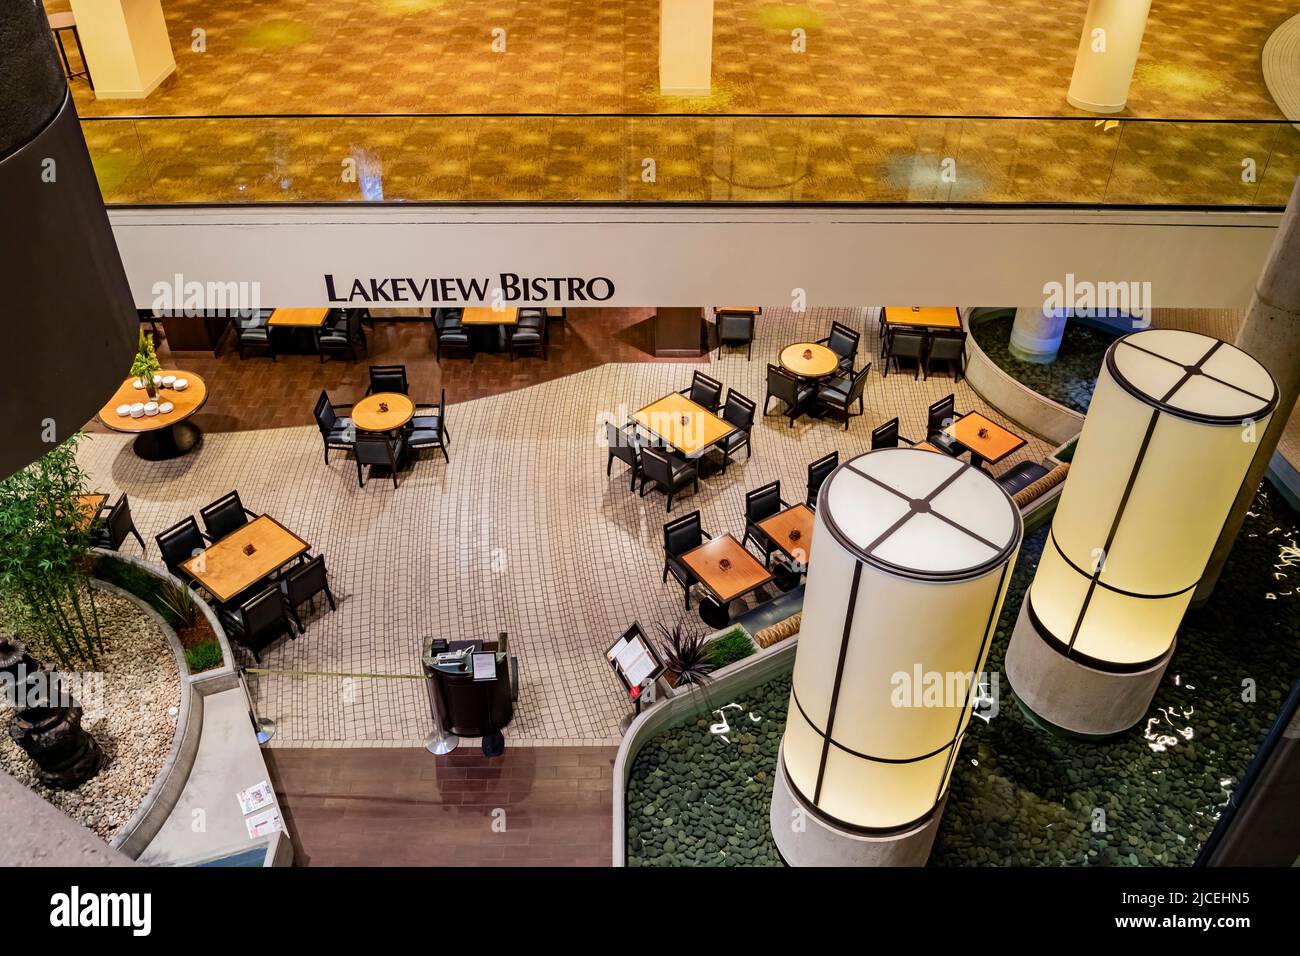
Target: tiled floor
[(521, 532), (538, 806)]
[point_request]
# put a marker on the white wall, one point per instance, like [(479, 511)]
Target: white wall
[(661, 257)]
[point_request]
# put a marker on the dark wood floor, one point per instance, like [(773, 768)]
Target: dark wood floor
[(406, 807)]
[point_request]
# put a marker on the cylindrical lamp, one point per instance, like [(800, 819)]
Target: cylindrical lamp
[(1108, 54), (914, 552), (1168, 438)]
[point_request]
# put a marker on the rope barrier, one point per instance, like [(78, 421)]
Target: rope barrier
[(268, 671)]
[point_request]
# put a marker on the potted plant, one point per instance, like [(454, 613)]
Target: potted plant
[(686, 658), (145, 365)]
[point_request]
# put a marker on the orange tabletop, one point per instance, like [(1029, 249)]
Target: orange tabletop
[(923, 316), (995, 445), (185, 403), (739, 309), (225, 569), (791, 531), (818, 364), (686, 426), (744, 573), (298, 318), (90, 506), (368, 416), (490, 317), (926, 446)]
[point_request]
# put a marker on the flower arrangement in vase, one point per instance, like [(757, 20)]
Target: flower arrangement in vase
[(145, 365)]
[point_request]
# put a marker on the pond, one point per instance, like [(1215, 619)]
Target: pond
[(1070, 379)]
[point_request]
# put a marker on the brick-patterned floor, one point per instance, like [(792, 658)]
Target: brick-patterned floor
[(537, 806)]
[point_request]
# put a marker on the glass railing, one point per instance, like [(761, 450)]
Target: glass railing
[(693, 158)]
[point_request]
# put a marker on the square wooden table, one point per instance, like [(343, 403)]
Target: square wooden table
[(923, 316), (997, 445), (796, 518), (298, 318), (744, 574), (692, 437), (481, 316), (225, 570), (754, 310)]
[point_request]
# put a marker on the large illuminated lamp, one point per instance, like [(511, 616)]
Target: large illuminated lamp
[(1167, 441), (913, 552)]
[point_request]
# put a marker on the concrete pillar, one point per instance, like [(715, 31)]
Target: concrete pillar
[(126, 46), (1036, 334), (1108, 52), (1270, 333), (685, 47)]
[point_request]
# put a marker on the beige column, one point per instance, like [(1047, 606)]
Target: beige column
[(126, 46), (1036, 334), (685, 47), (1108, 52)]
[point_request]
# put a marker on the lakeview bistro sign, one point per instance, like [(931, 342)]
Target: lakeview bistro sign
[(428, 290)]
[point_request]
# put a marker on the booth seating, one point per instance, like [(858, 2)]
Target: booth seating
[(1021, 476)]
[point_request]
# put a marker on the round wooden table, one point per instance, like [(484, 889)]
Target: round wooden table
[(369, 417), (820, 363), (165, 435)]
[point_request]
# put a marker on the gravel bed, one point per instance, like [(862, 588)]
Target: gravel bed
[(133, 728)]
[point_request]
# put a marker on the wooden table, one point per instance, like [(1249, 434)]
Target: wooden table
[(298, 318), (754, 310), (225, 570), (923, 316), (481, 316), (745, 573), (369, 417), (160, 437), (926, 446), (996, 445), (701, 430), (819, 364), (797, 520), (89, 506)]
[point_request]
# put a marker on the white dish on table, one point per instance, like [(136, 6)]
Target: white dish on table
[(168, 381), (165, 407), (137, 410), (181, 384), (151, 409), (124, 410), (137, 384)]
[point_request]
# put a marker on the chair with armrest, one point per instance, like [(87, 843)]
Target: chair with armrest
[(257, 622), (529, 332), (761, 504), (885, 435), (623, 444), (341, 333), (372, 450), (736, 328), (738, 411), (681, 535), (904, 344), (388, 378), (116, 526), (302, 584), (428, 429), (668, 472), (839, 395), (949, 348), (843, 341), (450, 333), (940, 415), (179, 543), (335, 432), (786, 388), (225, 515), (704, 391)]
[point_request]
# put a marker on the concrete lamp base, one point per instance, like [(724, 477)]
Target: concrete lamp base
[(1073, 696), (1095, 107), (817, 843)]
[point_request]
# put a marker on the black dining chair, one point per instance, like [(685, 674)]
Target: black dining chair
[(388, 378), (372, 450), (843, 341), (335, 432), (112, 532), (885, 435), (950, 349), (904, 344), (428, 429), (940, 415), (179, 543), (670, 473), (786, 388), (252, 332), (681, 535), (623, 445), (738, 411), (529, 332), (225, 515), (257, 622), (818, 472), (341, 333), (302, 584), (761, 504), (736, 328), (704, 391), (839, 395), (449, 333)]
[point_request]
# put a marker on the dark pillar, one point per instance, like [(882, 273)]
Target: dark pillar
[(679, 333), (69, 323)]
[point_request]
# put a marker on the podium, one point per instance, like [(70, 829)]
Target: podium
[(466, 706)]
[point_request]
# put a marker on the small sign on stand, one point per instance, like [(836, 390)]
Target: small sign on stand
[(637, 664)]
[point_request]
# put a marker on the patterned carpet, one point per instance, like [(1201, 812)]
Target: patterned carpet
[(955, 57)]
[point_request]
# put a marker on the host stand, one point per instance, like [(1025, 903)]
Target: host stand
[(471, 690)]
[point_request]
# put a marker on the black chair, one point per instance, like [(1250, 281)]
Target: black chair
[(788, 389), (388, 378), (112, 532), (818, 472), (681, 535), (529, 332), (903, 343), (949, 348), (704, 391), (670, 473), (738, 411), (448, 332), (843, 341), (886, 436), (736, 328), (253, 332), (430, 430), (942, 414), (179, 543), (257, 622), (761, 504), (341, 334), (624, 446), (839, 395), (302, 584), (374, 450), (225, 515), (335, 432)]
